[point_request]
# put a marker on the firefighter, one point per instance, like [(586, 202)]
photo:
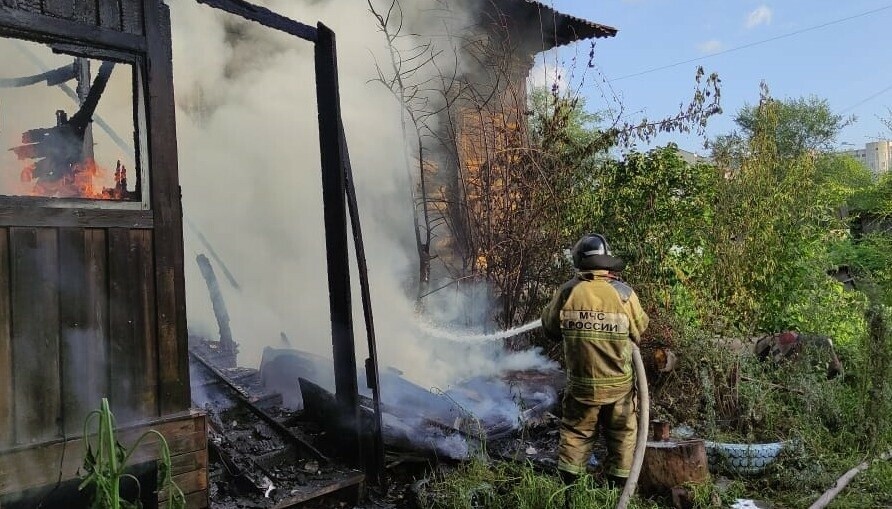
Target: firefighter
[(597, 316)]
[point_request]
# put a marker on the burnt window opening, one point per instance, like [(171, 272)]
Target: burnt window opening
[(72, 126)]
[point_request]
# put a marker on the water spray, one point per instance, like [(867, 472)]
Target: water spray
[(640, 382), (475, 337)]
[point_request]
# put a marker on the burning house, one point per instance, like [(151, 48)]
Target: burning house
[(473, 147), (91, 248), (92, 270)]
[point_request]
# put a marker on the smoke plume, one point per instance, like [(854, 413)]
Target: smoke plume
[(249, 168)]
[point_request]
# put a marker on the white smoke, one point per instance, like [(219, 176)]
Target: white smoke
[(249, 168)]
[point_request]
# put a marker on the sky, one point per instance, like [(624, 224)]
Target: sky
[(844, 62)]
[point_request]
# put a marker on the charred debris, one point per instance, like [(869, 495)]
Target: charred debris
[(275, 434), (295, 430)]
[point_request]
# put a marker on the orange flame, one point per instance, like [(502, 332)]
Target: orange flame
[(80, 183)]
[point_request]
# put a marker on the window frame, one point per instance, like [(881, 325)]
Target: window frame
[(140, 122)]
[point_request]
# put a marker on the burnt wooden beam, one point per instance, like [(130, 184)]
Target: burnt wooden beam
[(335, 218), (245, 399), (351, 482), (36, 26), (220, 312), (265, 17), (173, 347), (213, 252), (375, 463), (15, 212), (7, 396)]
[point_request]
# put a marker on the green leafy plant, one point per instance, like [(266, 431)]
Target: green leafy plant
[(105, 464)]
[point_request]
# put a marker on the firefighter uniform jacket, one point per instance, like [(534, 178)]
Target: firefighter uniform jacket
[(596, 315)]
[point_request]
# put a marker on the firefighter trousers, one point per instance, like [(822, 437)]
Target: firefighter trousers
[(579, 430)]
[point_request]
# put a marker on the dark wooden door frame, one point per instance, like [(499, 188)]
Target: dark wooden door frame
[(336, 182)]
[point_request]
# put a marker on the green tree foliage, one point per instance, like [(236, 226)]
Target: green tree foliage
[(652, 206), (743, 246), (842, 178), (804, 124), (876, 199)]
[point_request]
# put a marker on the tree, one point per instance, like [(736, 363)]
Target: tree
[(842, 178), (804, 124), (652, 206), (776, 217)]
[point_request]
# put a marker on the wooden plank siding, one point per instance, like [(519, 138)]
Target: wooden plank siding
[(110, 14), (92, 296), (132, 16), (83, 315), (85, 12), (77, 323), (28, 468), (61, 8), (120, 15), (35, 333), (132, 351), (30, 5)]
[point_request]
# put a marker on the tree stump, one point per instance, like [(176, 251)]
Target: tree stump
[(670, 464)]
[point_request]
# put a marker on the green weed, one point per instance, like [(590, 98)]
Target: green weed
[(105, 464)]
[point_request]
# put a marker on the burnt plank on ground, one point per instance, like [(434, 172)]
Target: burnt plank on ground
[(35, 333)]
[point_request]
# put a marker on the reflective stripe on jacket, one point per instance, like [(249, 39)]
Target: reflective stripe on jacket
[(596, 315)]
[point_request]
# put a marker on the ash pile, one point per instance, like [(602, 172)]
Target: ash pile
[(453, 422), (273, 436)]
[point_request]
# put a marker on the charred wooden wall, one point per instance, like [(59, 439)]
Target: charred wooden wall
[(120, 15), (92, 301), (77, 323)]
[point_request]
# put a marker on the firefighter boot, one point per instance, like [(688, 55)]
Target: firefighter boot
[(569, 479), (614, 482)]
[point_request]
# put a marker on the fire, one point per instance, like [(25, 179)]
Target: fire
[(82, 181)]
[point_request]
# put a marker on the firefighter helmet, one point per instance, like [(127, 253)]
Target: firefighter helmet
[(593, 253)]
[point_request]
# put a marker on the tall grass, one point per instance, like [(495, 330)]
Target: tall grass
[(483, 484)]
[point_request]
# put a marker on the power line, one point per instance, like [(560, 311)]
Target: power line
[(866, 99), (756, 43)]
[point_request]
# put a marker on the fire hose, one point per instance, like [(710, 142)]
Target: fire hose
[(643, 420)]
